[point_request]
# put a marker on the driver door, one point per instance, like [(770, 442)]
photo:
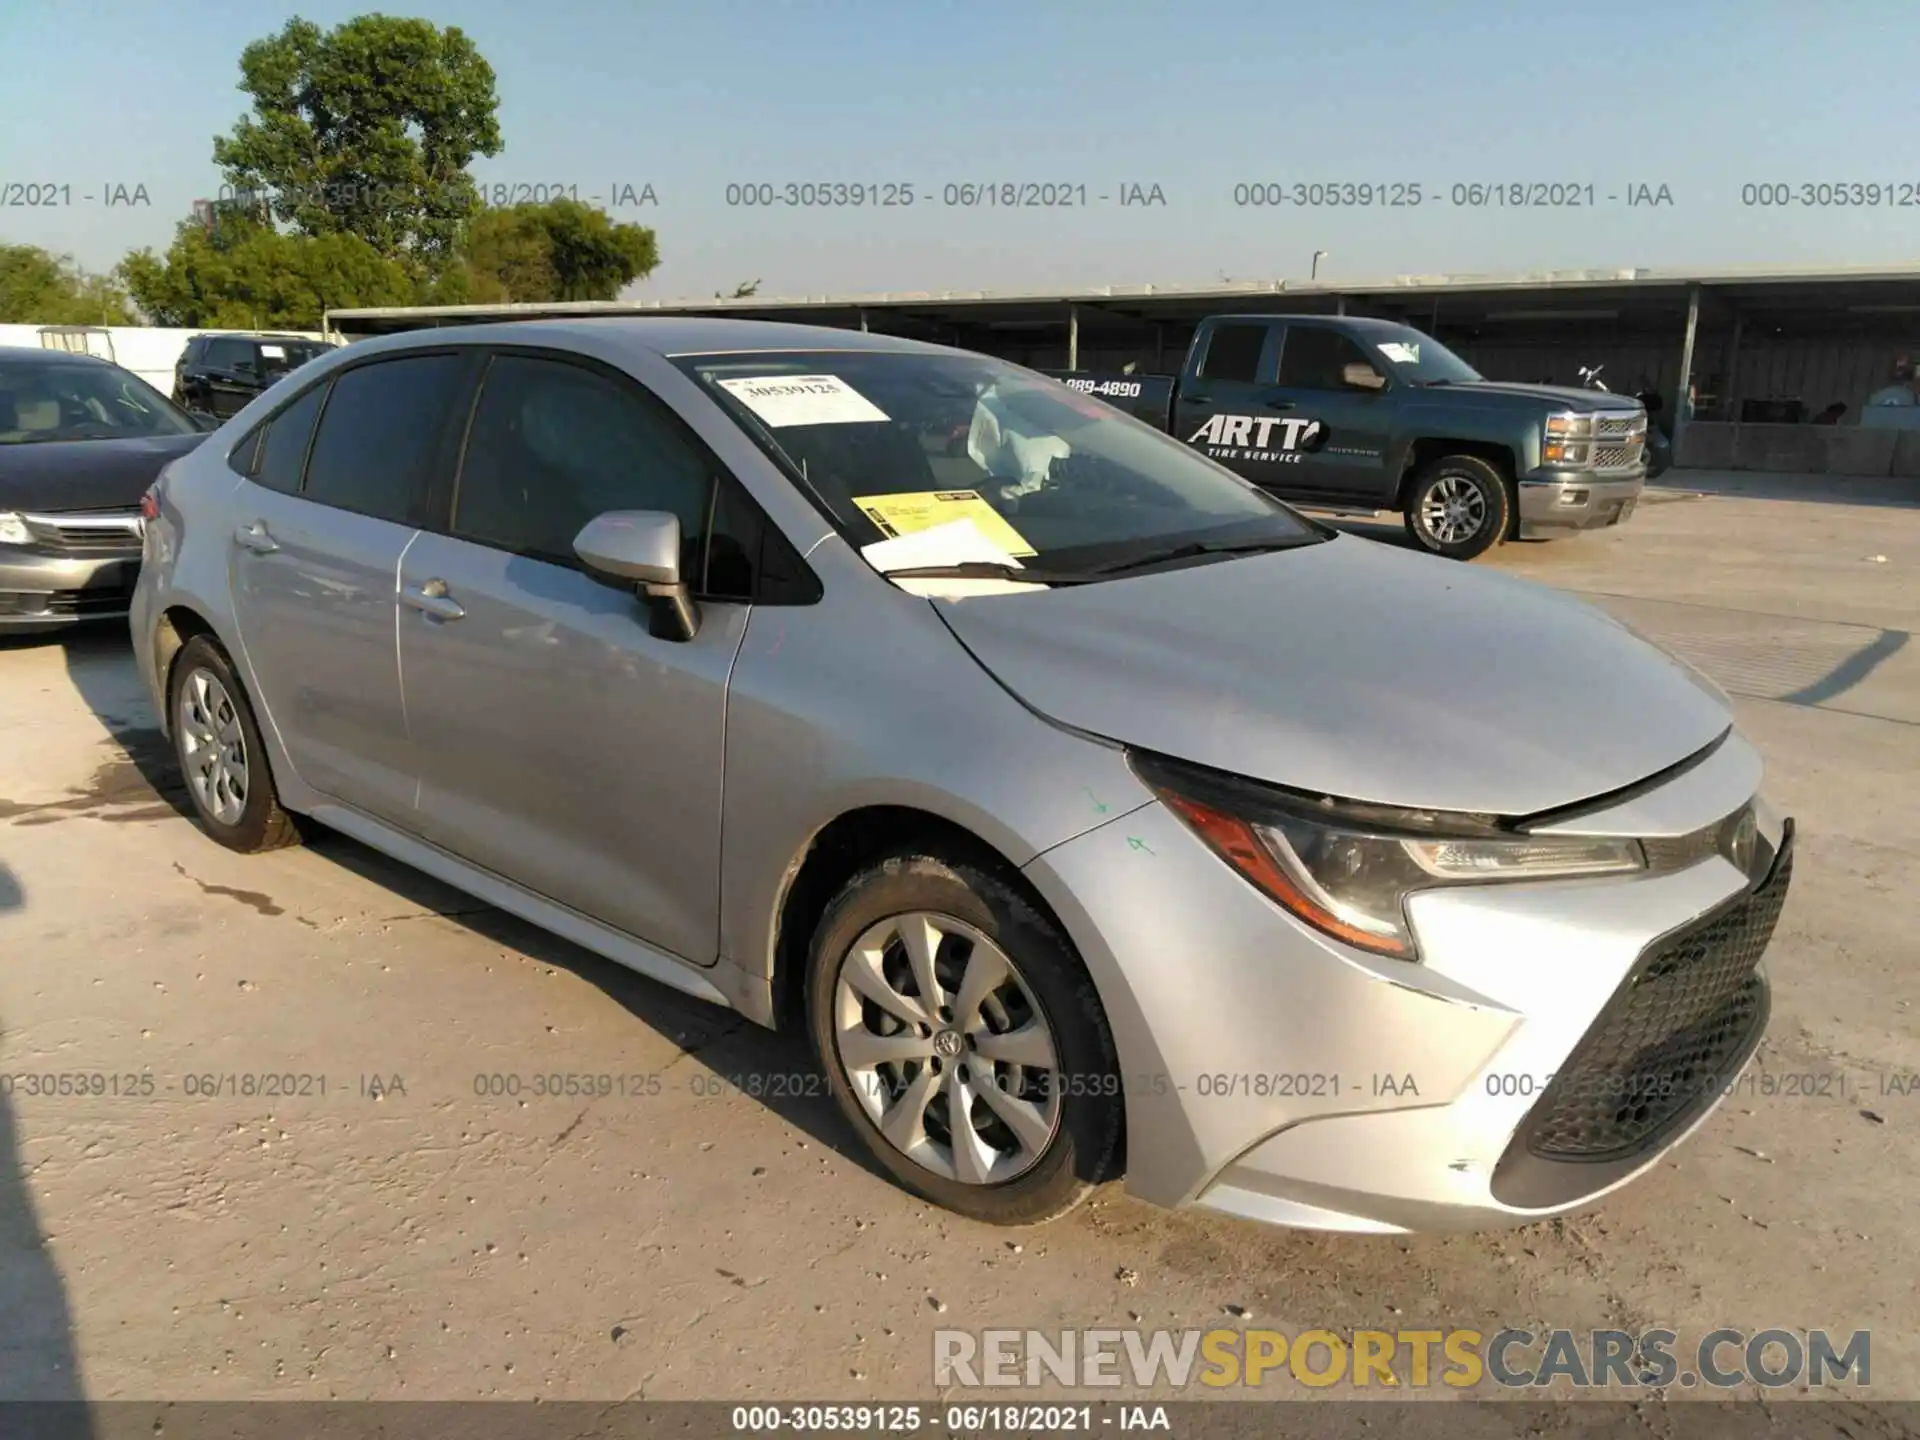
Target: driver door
[(1347, 463)]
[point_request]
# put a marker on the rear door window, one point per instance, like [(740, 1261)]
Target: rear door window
[(380, 435), (1234, 351)]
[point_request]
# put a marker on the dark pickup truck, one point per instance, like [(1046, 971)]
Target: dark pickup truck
[(1368, 415)]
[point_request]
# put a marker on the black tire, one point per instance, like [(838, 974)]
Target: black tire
[(261, 823), (1085, 1144), (1493, 505)]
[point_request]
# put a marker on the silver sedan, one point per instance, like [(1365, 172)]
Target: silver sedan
[(1092, 811)]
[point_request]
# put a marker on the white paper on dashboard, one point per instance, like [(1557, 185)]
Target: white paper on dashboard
[(957, 543), (782, 400)]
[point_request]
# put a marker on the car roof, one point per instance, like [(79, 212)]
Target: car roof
[(1352, 322), (277, 337), (21, 355), (665, 335)]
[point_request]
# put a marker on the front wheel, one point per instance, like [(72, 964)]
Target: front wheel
[(1459, 507), (963, 1040)]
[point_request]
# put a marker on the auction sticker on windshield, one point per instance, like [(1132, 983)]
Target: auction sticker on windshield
[(895, 515), (782, 400)]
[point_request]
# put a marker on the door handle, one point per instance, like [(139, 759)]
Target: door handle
[(1197, 399), (1277, 403), (432, 599), (254, 537)]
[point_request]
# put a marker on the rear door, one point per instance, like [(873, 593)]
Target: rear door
[(1346, 460), (1227, 407), (323, 520), (562, 745)]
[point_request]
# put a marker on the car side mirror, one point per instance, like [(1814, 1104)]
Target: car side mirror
[(641, 549), (1358, 375)]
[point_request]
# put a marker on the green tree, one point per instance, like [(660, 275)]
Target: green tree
[(561, 250), (365, 130), (740, 291), (243, 273), (37, 287)]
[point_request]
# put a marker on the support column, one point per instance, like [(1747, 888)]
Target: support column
[(1733, 378), (863, 322), (1073, 337), (1159, 347), (1340, 305), (1682, 411)]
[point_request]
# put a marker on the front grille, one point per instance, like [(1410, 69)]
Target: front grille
[(95, 534), (1679, 1026), (1616, 457)]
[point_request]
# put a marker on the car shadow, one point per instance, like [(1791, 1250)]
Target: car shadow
[(777, 1069), (99, 661), (39, 1363)]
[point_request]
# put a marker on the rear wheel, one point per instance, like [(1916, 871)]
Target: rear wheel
[(963, 1040), (217, 742), (1459, 507)]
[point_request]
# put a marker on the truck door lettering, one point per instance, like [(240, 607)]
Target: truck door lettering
[(1254, 434)]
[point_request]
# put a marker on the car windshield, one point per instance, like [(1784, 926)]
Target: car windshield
[(893, 444), (52, 400), (1419, 359)]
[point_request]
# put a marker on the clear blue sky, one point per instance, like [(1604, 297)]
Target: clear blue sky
[(1697, 95)]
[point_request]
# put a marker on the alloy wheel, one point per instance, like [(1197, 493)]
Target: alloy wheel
[(1453, 509), (946, 1048), (213, 747)]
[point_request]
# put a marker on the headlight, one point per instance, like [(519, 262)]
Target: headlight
[(13, 530), (1347, 870), (1567, 439)]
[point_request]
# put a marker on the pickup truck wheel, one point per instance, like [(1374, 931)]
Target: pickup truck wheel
[(1459, 507)]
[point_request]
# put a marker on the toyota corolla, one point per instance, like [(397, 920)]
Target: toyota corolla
[(1095, 813)]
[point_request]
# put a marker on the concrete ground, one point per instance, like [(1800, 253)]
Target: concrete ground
[(714, 1233)]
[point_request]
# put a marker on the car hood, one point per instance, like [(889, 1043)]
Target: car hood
[(1356, 670), (1560, 397), (86, 474)]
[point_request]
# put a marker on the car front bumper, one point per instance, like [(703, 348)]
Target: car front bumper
[(1274, 1074), (1554, 502), (41, 591)]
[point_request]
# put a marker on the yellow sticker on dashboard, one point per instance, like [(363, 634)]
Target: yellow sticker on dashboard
[(897, 515)]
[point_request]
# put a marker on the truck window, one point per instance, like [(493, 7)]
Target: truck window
[(1233, 353), (1313, 358)]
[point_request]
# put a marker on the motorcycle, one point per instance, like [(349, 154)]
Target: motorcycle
[(1659, 447)]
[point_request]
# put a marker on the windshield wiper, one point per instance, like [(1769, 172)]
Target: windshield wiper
[(1195, 549), (992, 570)]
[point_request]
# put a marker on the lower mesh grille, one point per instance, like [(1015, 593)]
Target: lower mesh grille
[(1682, 1022)]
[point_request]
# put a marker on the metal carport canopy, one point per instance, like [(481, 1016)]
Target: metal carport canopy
[(1784, 288)]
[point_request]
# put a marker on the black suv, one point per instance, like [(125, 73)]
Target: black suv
[(219, 374)]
